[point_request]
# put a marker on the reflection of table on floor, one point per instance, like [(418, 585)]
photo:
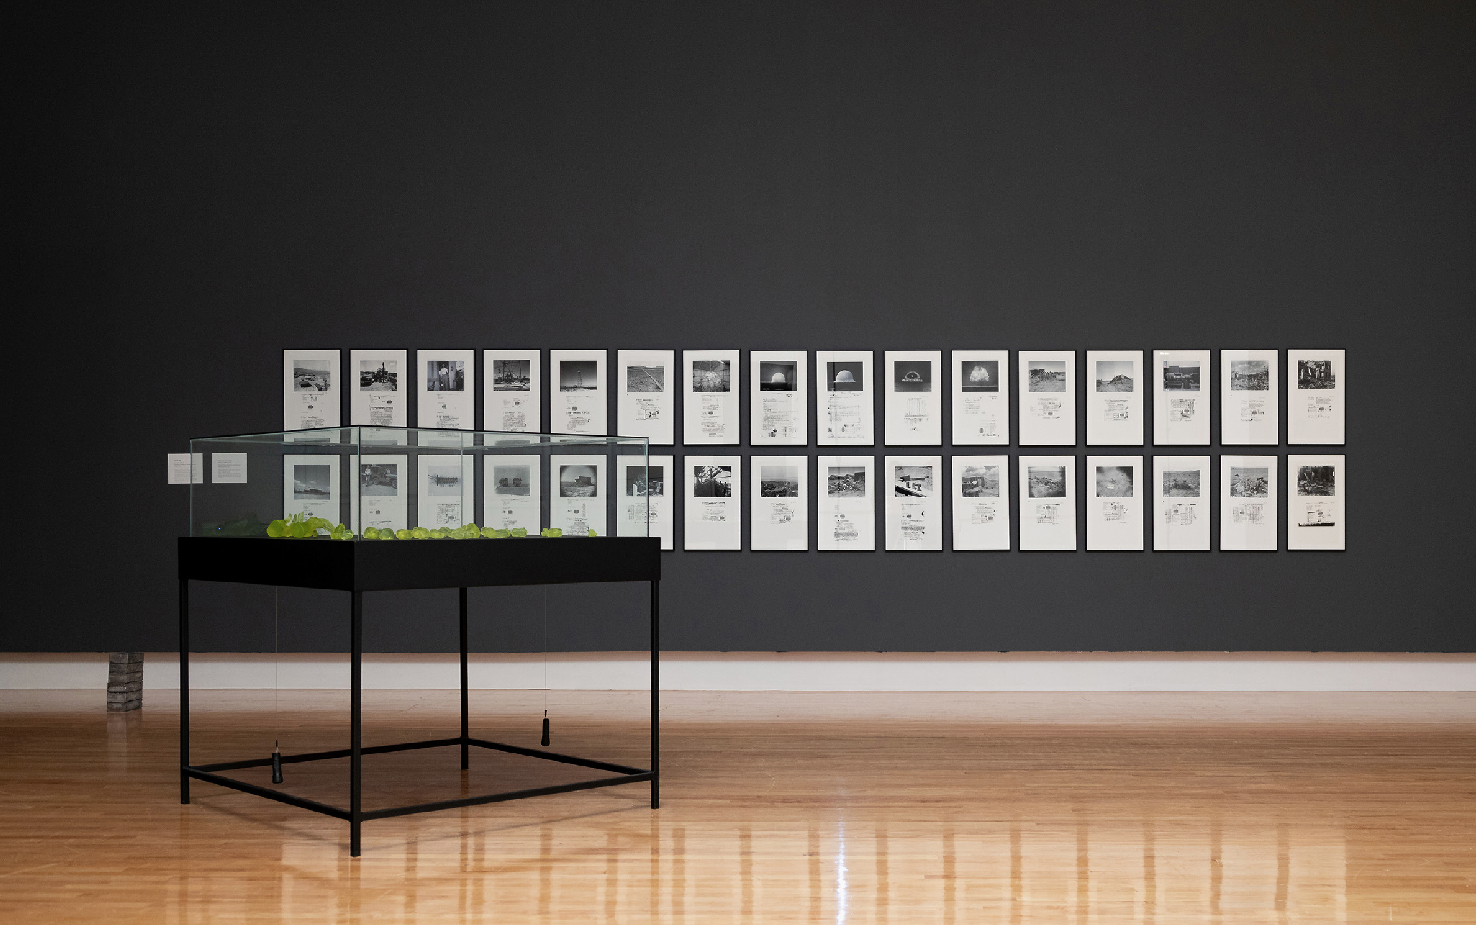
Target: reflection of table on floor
[(360, 566)]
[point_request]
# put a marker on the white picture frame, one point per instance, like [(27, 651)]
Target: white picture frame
[(1250, 397), (379, 489), (645, 403), (1248, 503), (576, 381), (1181, 503), (311, 384), (512, 400), (846, 489), (1316, 380), (981, 397), (644, 501), (310, 485), (912, 383), (577, 493), (378, 393), (981, 502), (1115, 503), (444, 500), (779, 506), (512, 492), (1047, 397), (845, 399), (712, 520), (1114, 397), (778, 406), (1315, 502), (1047, 486), (914, 511), (1181, 397), (710, 416)]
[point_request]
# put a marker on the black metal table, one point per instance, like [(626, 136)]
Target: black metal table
[(357, 567)]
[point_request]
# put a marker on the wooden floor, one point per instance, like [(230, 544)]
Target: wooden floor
[(1008, 808)]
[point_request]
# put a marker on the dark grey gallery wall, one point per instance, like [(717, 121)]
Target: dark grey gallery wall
[(192, 189)]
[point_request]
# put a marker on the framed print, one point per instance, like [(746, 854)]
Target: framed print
[(1248, 503), (1181, 503), (445, 496), (310, 384), (578, 503), (1250, 386), (781, 502), (310, 486), (1047, 397), (777, 403), (914, 397), (981, 502), (713, 502), (447, 389), (1314, 398), (1315, 509), (1048, 503), (645, 505), (915, 503), (710, 412), (578, 405), (378, 391), (845, 411), (1181, 414), (1115, 513), (981, 397), (1115, 397), (643, 392), (379, 496), (847, 503), (512, 492), (513, 399)]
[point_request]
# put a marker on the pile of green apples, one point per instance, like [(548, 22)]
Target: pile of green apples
[(304, 526)]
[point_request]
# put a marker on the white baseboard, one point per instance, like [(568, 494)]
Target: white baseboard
[(780, 671)]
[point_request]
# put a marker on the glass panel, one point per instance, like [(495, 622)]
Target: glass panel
[(407, 483)]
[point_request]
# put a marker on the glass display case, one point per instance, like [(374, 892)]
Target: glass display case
[(407, 483)]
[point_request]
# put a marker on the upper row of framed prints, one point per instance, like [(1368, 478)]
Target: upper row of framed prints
[(845, 402)]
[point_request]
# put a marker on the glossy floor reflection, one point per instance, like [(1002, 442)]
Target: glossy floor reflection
[(778, 808)]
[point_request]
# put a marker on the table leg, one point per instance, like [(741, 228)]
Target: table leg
[(465, 711), (655, 694), (356, 722), (184, 689)]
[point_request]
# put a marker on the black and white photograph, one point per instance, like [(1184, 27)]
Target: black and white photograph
[(1181, 483), (1047, 375), (1181, 375), (311, 375), (1313, 481), (311, 483), (845, 481), (645, 482), (578, 482), (712, 481), (979, 481), (912, 375), (645, 379), (843, 377), (778, 481), (912, 481), (579, 375), (1250, 481), (379, 376), (1250, 376), (512, 375), (712, 376), (1046, 481), (1114, 481), (1316, 374), (1115, 376), (980, 375), (778, 376), (443, 481), (445, 376), (379, 479), (516, 481)]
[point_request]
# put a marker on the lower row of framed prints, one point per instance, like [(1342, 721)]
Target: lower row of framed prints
[(1117, 487)]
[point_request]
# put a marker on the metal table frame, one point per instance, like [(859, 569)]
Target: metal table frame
[(361, 566)]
